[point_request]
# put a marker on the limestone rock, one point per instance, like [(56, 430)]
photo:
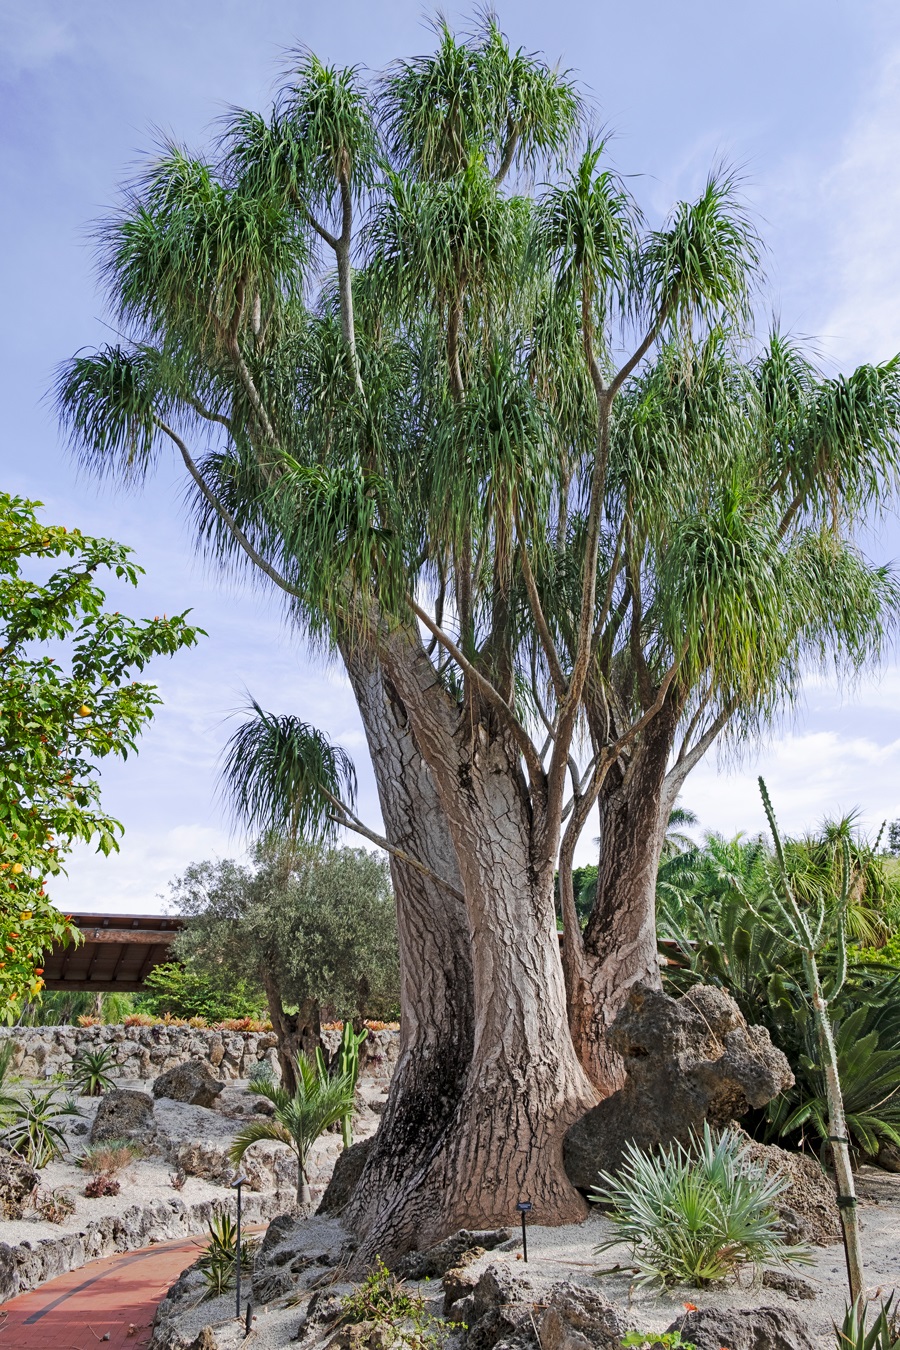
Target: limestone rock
[(458, 1282), (686, 1061), (321, 1310), (191, 1082), (794, 1286), (500, 1287), (807, 1208), (501, 1311), (124, 1114), (578, 1318), (457, 1250), (347, 1172), (362, 1336), (17, 1180), (9, 1274), (747, 1329), (462, 1310)]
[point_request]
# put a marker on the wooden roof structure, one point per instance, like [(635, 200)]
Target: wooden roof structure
[(117, 954)]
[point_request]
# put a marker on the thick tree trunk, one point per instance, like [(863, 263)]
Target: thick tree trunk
[(298, 1033), (524, 1087), (437, 1014), (619, 946)]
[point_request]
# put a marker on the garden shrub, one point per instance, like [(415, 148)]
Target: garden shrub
[(692, 1215)]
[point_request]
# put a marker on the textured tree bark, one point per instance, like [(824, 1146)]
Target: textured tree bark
[(437, 1014), (524, 1085), (298, 1033), (619, 946)]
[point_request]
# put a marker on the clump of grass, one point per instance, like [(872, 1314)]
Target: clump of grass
[(693, 1215), (109, 1158)]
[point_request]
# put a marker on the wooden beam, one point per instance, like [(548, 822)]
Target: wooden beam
[(98, 986), (145, 937)]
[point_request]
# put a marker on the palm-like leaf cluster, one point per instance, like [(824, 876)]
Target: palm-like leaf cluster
[(447, 426), (300, 1118), (717, 924), (693, 1215)]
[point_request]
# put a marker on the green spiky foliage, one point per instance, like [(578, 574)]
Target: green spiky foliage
[(319, 1102), (694, 1215), (855, 1333), (514, 442), (346, 1065), (32, 1127), (446, 425), (90, 1072), (709, 903)]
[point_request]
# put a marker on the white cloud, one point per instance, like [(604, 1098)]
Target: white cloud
[(861, 200), (136, 879)]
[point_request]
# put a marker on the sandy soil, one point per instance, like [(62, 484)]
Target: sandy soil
[(568, 1253)]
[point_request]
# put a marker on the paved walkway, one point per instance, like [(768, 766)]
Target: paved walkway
[(107, 1302)]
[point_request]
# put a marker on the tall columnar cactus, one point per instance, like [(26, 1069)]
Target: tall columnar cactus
[(808, 929), (346, 1066)]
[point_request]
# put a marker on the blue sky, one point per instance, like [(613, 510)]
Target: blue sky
[(805, 97)]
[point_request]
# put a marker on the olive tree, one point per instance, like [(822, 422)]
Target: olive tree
[(315, 927)]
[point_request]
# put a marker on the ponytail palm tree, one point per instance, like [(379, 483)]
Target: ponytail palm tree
[(513, 464), (300, 1117)]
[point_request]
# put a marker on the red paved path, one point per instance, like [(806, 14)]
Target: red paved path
[(114, 1294)]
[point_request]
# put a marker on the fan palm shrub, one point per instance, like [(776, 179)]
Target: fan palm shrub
[(300, 1117), (692, 1215)]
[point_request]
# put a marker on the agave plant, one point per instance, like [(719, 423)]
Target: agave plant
[(693, 1215), (882, 1335), (300, 1118), (218, 1260), (33, 1131), (89, 1072)]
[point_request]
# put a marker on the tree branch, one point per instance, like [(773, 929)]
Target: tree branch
[(494, 697), (226, 516), (553, 662), (351, 822)]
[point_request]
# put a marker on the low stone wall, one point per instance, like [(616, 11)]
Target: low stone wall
[(28, 1264), (142, 1053)]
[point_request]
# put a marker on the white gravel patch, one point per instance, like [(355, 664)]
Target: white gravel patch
[(141, 1183), (568, 1253)]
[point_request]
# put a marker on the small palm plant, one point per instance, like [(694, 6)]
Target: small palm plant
[(299, 1118), (90, 1077), (693, 1215), (809, 927), (33, 1131)]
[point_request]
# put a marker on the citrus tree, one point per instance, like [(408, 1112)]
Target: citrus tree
[(67, 700)]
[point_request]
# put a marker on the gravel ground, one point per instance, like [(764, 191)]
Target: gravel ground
[(568, 1253), (141, 1183)]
